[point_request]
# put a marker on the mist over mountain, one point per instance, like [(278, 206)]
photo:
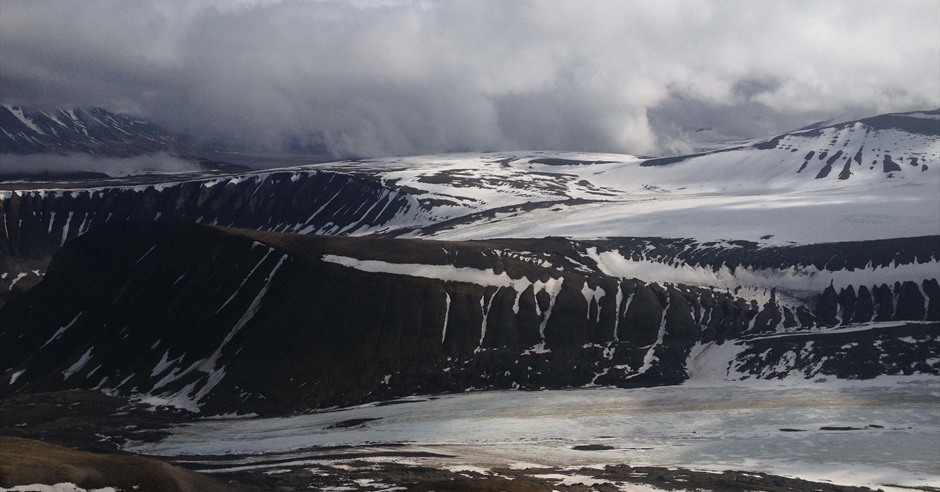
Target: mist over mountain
[(407, 77)]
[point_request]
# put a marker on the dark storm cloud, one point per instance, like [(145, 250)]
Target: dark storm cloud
[(402, 77), (747, 88)]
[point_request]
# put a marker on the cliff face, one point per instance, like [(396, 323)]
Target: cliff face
[(220, 320), (38, 222)]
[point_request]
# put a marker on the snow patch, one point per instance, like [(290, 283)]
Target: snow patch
[(78, 365), (16, 375), (61, 330), (794, 279)]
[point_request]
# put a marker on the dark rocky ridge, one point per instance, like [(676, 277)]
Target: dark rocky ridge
[(249, 321), (37, 223)]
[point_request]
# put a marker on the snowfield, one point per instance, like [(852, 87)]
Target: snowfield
[(844, 183), (847, 182)]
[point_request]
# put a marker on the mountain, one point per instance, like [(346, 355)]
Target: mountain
[(92, 131), (857, 181), (302, 326), (628, 267), (220, 320)]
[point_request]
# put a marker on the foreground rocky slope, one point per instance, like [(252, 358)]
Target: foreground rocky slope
[(222, 320), (26, 461)]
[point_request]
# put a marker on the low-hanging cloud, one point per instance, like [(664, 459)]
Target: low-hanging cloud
[(403, 77), (112, 166)]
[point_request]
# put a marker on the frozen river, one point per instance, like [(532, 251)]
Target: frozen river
[(872, 434)]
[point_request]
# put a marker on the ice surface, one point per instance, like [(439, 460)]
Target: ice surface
[(702, 426)]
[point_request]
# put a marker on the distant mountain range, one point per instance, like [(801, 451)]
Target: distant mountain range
[(92, 131)]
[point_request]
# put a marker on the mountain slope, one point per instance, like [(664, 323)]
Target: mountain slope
[(92, 131), (221, 320)]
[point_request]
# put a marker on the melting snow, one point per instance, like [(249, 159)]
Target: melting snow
[(793, 279), (447, 273), (18, 112), (16, 375)]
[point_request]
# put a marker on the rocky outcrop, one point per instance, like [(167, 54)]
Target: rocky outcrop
[(217, 320), (40, 464)]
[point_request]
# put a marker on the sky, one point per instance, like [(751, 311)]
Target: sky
[(415, 77)]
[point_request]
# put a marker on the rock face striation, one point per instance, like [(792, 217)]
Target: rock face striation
[(217, 320), (37, 223), (86, 131)]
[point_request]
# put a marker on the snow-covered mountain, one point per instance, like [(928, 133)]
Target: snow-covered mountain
[(92, 131), (829, 233), (871, 179)]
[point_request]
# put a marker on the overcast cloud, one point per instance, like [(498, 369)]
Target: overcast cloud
[(402, 77)]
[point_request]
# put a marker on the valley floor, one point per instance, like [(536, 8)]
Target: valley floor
[(762, 435)]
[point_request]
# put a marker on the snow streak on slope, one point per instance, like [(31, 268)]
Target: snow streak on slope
[(447, 273), (795, 279), (189, 397)]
